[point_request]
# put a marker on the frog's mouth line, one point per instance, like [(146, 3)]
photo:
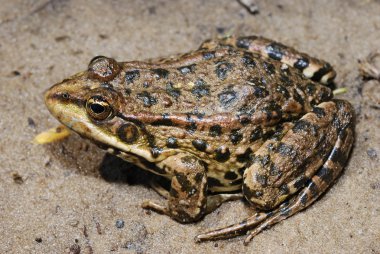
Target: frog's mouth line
[(74, 117)]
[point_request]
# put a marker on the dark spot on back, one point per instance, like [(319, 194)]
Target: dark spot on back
[(301, 63), (274, 51), (222, 69), (248, 61), (160, 73), (187, 69), (215, 130), (131, 76), (147, 99), (172, 91), (200, 89), (208, 55), (227, 97), (244, 42)]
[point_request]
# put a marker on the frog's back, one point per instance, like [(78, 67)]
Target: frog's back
[(225, 86)]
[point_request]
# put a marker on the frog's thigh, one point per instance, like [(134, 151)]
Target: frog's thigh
[(313, 187), (311, 67), (295, 159)]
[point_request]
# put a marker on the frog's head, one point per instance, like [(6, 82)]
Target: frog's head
[(90, 105)]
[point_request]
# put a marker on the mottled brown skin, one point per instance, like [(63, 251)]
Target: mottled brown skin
[(238, 113)]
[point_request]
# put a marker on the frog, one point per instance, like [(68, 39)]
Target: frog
[(239, 118)]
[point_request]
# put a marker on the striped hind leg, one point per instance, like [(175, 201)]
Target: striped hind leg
[(316, 186), (312, 68), (307, 188)]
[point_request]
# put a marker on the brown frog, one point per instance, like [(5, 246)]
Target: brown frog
[(239, 117)]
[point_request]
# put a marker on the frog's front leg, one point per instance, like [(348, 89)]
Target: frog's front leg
[(306, 160), (187, 199)]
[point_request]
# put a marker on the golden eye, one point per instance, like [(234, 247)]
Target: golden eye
[(98, 108)]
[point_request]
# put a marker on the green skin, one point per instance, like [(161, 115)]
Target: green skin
[(241, 113)]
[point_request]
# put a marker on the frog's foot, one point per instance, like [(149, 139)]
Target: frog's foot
[(312, 68), (149, 205), (316, 171)]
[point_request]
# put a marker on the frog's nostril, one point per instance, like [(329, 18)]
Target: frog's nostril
[(65, 95)]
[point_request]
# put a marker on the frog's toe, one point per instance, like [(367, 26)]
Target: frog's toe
[(149, 205), (234, 229)]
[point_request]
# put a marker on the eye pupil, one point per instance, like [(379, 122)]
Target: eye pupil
[(97, 108)]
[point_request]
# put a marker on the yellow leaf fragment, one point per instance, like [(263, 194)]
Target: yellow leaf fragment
[(341, 90), (52, 135)]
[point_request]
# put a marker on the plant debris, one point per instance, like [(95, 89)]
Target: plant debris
[(369, 68)]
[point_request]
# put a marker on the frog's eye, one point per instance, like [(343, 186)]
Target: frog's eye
[(98, 108)]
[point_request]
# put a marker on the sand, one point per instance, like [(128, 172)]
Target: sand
[(67, 198)]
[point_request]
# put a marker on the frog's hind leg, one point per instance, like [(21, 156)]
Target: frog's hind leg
[(317, 185), (309, 186), (312, 68)]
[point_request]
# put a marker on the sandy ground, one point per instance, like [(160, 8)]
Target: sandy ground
[(66, 197)]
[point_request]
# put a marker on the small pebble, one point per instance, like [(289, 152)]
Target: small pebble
[(31, 122), (119, 223), (372, 153)]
